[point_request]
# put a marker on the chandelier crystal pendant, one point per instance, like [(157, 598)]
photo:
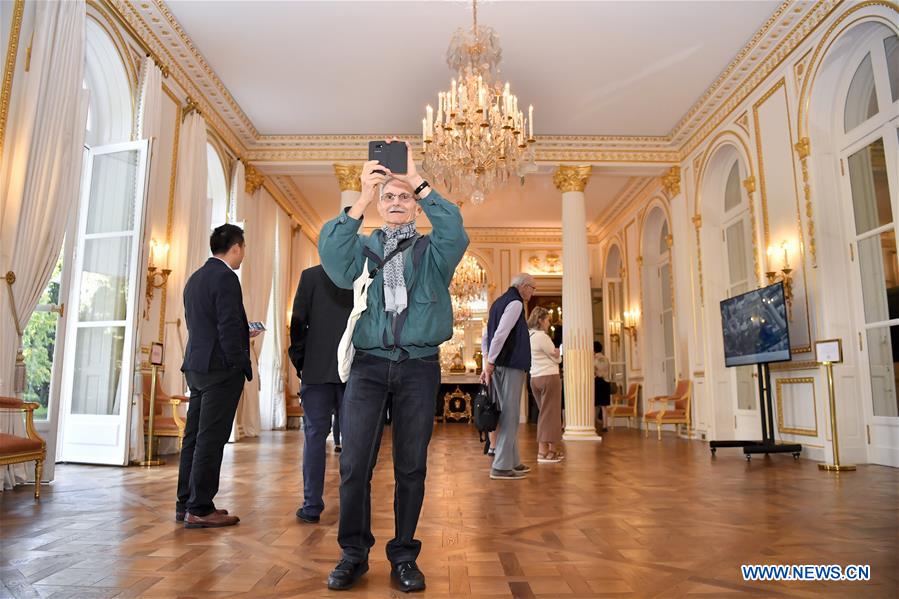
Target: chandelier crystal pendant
[(479, 137)]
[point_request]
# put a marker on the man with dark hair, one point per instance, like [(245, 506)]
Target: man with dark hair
[(320, 312), (216, 362)]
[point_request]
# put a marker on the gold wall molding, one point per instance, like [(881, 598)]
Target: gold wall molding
[(572, 178), (253, 179), (9, 67), (803, 149), (349, 176), (170, 209), (781, 426), (743, 122), (749, 186), (778, 86), (794, 365), (766, 228), (671, 181)]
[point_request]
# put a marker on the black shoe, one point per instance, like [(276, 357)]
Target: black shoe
[(308, 518), (345, 574), (407, 576)]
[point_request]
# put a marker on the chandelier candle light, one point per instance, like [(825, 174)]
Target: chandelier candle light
[(479, 137)]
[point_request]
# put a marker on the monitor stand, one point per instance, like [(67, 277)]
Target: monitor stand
[(767, 444)]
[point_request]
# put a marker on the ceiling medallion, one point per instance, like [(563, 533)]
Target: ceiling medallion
[(479, 138)]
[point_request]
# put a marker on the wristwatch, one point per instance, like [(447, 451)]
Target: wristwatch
[(421, 187)]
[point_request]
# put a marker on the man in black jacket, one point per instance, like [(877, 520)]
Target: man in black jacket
[(320, 312), (216, 362)]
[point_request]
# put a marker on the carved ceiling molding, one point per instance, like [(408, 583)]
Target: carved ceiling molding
[(305, 213), (784, 30), (622, 202)]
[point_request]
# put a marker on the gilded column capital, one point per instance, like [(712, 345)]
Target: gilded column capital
[(572, 178), (671, 181), (254, 179), (697, 221), (803, 147), (749, 184), (349, 176)]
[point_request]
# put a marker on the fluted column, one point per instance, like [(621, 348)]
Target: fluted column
[(578, 323), (349, 176)]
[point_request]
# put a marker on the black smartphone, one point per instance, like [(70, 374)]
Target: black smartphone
[(392, 155)]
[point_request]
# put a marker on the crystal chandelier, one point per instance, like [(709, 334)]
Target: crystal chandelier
[(468, 285), (469, 280), (479, 138)]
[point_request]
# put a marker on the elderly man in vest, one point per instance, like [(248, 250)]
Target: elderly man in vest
[(408, 315), (507, 351)]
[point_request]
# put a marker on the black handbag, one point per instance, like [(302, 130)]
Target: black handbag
[(486, 415)]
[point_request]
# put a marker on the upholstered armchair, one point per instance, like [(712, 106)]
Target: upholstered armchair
[(168, 421), (15, 449), (624, 406), (672, 409)]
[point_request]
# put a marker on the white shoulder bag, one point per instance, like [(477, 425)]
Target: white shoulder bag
[(346, 351)]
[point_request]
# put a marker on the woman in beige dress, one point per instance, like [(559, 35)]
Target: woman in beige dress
[(547, 387)]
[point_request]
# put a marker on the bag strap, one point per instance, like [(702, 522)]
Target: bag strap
[(380, 262)]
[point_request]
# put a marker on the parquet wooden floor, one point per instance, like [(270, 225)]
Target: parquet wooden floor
[(628, 517)]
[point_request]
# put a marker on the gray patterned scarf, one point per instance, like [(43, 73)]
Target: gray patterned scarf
[(395, 299)]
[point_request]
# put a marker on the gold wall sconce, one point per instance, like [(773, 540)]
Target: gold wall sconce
[(785, 273), (615, 331), (156, 277), (631, 321)]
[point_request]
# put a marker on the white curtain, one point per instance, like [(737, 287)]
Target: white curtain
[(39, 176), (272, 371), (149, 126), (190, 239), (237, 199), (260, 216)]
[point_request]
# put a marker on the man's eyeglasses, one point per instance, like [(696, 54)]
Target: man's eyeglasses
[(404, 197)]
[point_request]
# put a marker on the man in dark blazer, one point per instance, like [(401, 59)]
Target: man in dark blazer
[(320, 312), (216, 363)]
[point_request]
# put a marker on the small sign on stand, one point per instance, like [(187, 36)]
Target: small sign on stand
[(156, 359), (829, 352)]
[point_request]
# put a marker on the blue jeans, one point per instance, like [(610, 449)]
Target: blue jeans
[(319, 402), (411, 384)]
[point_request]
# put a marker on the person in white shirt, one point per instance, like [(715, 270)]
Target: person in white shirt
[(547, 387)]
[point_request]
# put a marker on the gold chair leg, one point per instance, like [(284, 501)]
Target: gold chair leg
[(659, 430), (646, 428), (38, 474)]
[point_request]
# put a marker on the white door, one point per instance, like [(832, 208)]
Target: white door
[(871, 186), (102, 307), (744, 379)]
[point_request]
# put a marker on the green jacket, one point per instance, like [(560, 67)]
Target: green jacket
[(429, 318)]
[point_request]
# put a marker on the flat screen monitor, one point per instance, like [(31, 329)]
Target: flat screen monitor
[(756, 328)]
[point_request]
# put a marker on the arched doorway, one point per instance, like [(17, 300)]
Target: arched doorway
[(658, 305), (613, 302), (853, 119), (727, 213)]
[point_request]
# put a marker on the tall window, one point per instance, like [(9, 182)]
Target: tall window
[(109, 121), (216, 187), (667, 307), (871, 155), (740, 273)]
